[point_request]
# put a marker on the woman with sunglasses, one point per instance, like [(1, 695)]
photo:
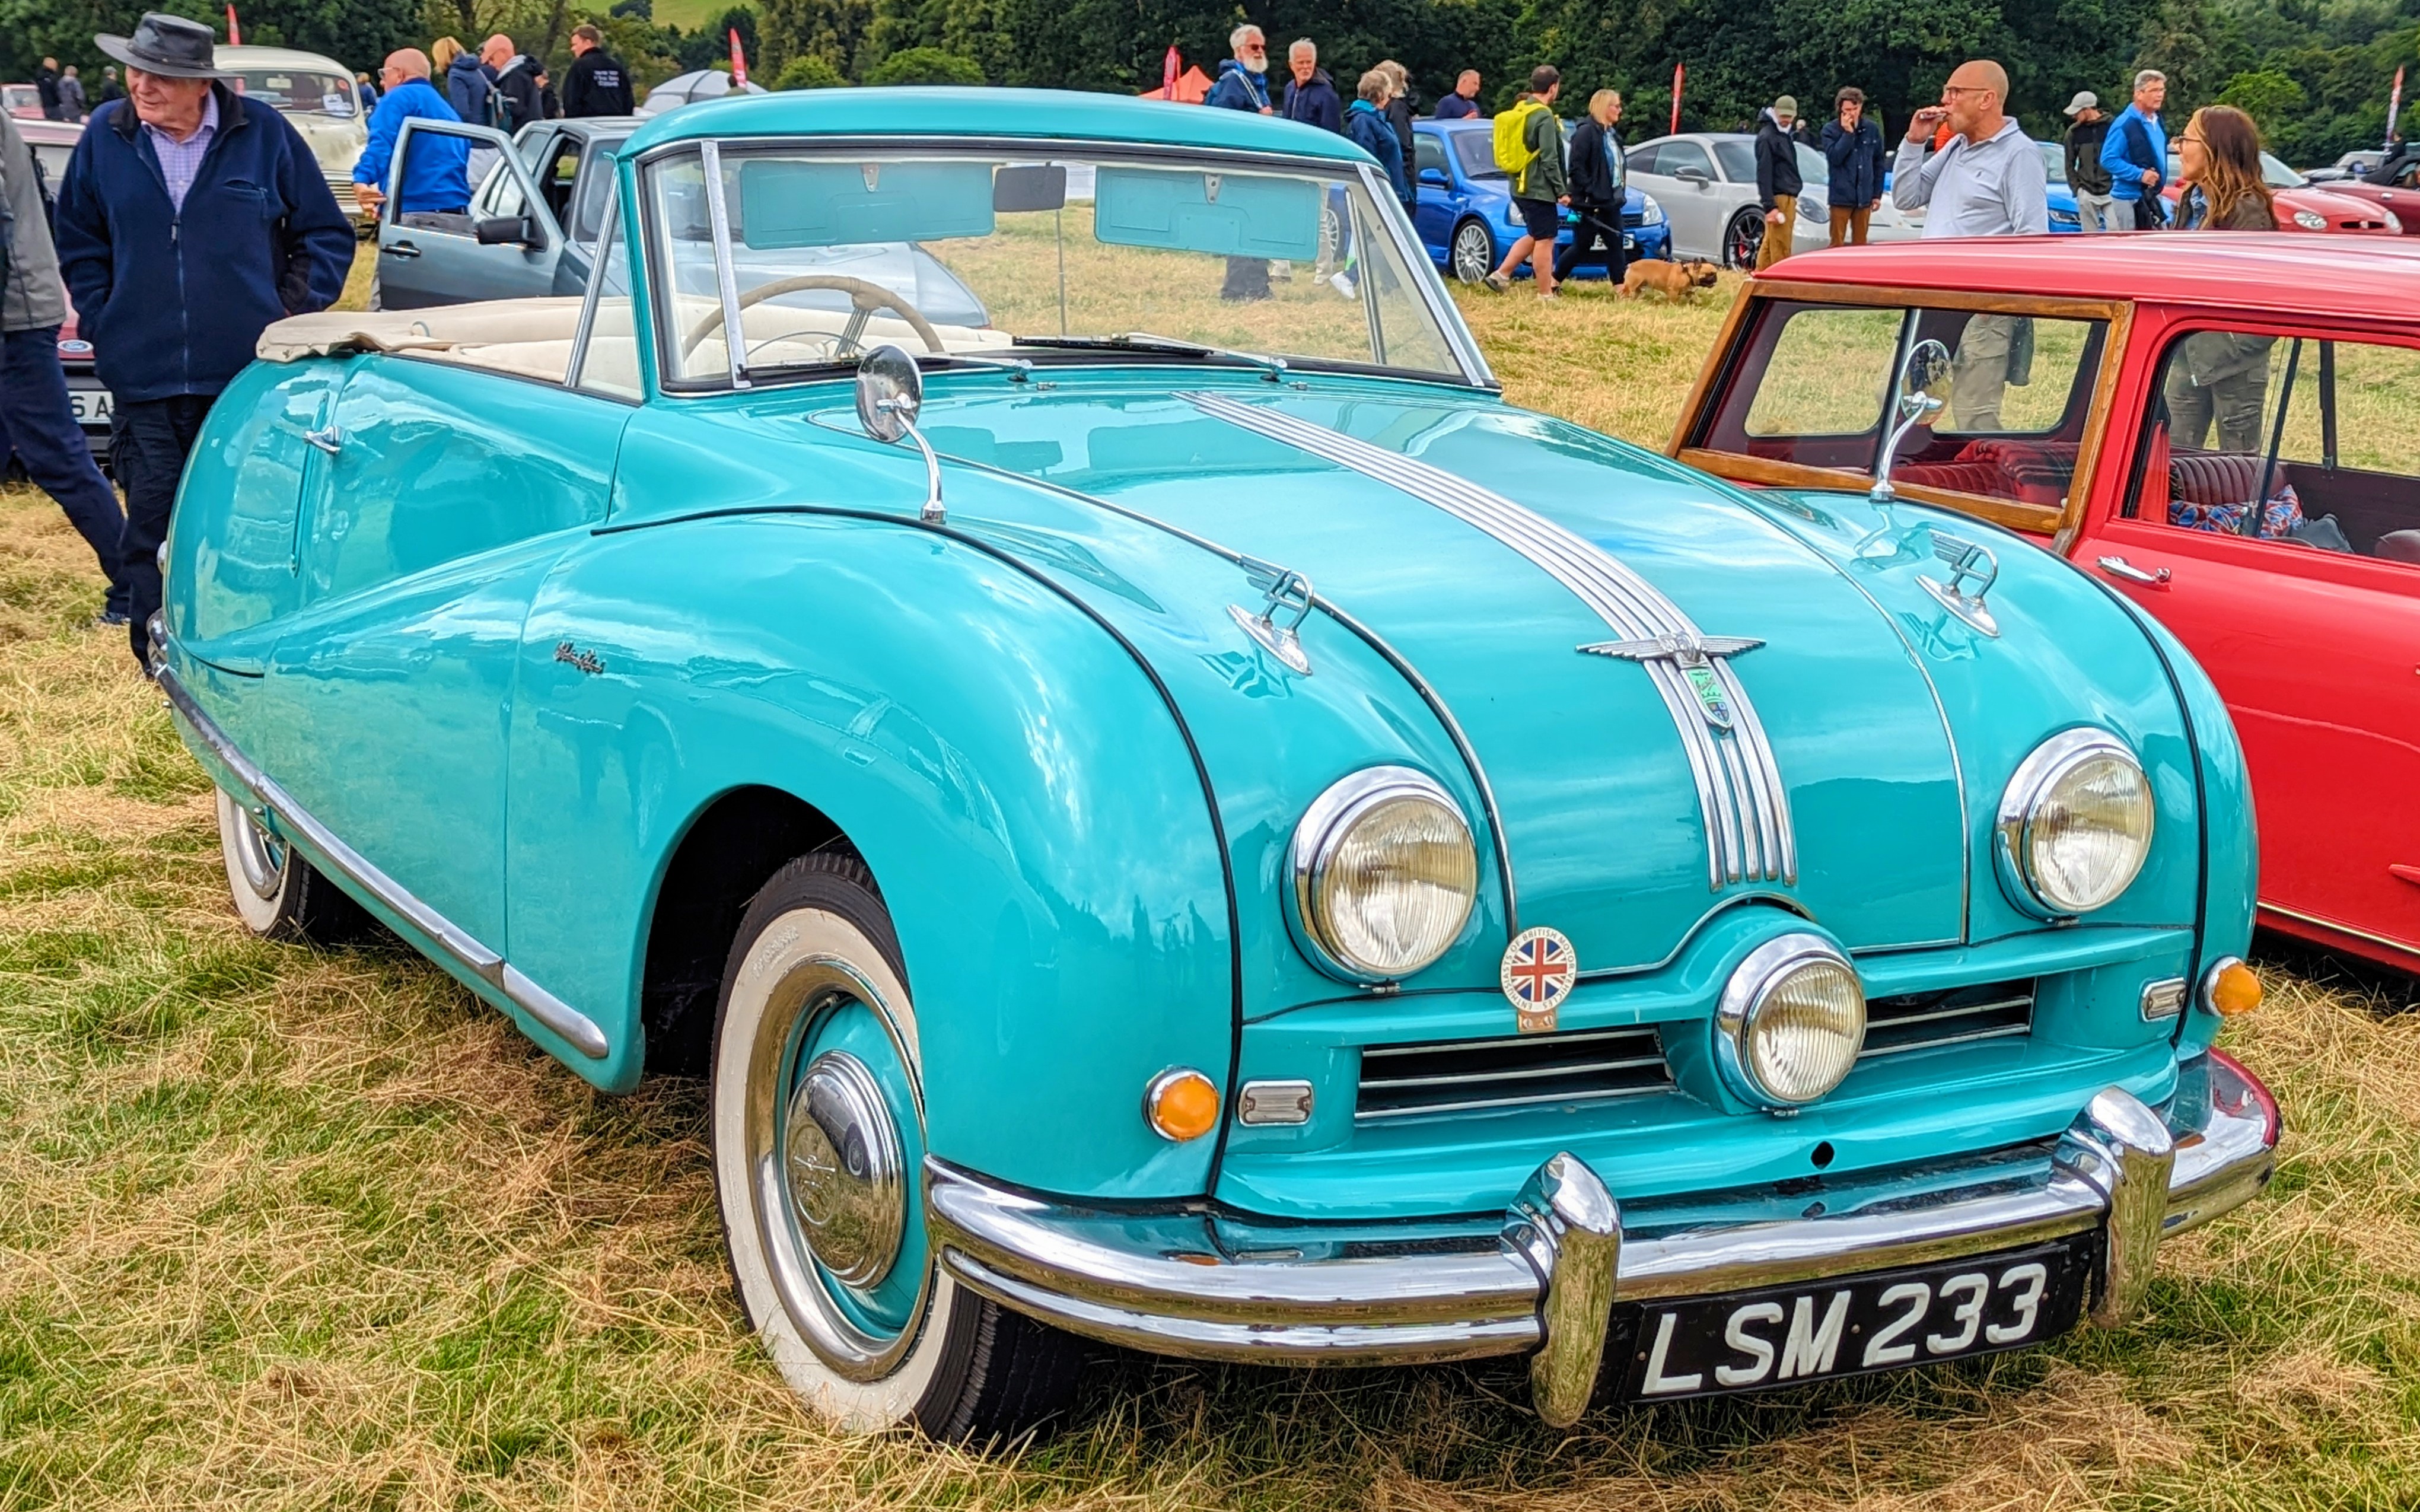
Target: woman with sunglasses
[(2221, 158)]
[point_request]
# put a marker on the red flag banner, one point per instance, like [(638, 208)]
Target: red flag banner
[(2393, 108), (1169, 69), (1680, 76), (739, 62), (235, 33)]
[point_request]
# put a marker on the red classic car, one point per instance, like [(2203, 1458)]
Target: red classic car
[(2224, 428), (2346, 205)]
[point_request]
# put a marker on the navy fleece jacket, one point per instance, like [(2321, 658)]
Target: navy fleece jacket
[(172, 302)]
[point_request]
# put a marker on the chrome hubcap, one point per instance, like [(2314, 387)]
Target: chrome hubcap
[(260, 856), (844, 1170)]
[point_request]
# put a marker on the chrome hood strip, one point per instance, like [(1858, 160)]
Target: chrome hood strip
[(1740, 793)]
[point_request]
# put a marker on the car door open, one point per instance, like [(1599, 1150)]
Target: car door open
[(502, 243)]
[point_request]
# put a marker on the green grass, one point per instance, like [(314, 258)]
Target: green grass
[(283, 1228), (689, 15)]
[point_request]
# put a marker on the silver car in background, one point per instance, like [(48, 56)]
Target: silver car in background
[(1706, 183)]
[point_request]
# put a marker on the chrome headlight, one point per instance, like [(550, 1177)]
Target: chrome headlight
[(1650, 213), (1384, 874), (2310, 219), (2393, 222), (1792, 1021), (2074, 825)]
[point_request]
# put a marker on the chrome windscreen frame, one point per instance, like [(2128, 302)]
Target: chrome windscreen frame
[(1398, 227)]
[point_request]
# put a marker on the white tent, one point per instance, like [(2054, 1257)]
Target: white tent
[(684, 88)]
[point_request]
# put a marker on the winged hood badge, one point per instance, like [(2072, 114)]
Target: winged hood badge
[(1694, 655)]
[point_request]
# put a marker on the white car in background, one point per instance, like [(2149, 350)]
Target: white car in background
[(319, 96), (1706, 183)]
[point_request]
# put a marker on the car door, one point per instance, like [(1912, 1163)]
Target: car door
[(443, 494), (1682, 180), (505, 247), (2311, 631)]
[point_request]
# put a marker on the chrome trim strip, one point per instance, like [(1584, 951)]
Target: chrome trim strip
[(1523, 1073), (2004, 1032), (1530, 1042), (1536, 1099), (2317, 923), (735, 335), (1740, 796), (1958, 1012), (609, 227), (1178, 1282), (575, 1028)]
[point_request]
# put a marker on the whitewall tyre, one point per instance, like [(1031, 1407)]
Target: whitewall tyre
[(817, 1129), (277, 893)]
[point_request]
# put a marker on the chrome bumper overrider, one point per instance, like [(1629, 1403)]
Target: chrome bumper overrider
[(1546, 1276)]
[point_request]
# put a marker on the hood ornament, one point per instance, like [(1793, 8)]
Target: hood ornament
[(1694, 655), (1289, 592), (1968, 561)]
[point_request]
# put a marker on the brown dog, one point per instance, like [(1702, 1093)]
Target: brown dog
[(1675, 280)]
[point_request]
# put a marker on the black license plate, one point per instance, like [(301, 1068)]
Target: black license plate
[(1786, 1335)]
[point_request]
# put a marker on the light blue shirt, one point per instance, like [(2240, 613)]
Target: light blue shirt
[(181, 162), (1994, 187), (2125, 174)]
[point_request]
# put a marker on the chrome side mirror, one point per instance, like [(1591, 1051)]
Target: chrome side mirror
[(1926, 368), (890, 396)]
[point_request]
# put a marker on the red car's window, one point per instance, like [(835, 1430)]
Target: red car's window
[(1812, 384), (2299, 442)]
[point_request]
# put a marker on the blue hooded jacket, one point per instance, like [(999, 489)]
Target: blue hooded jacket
[(468, 83), (1238, 89), (437, 176), (1317, 104), (174, 300), (1370, 129)]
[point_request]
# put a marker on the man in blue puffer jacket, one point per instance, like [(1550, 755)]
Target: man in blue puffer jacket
[(188, 219)]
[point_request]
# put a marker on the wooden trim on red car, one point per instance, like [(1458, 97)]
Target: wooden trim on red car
[(2033, 519)]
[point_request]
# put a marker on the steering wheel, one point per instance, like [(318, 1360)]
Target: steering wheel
[(864, 299)]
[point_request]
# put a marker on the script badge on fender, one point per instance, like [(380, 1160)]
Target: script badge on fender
[(1540, 967)]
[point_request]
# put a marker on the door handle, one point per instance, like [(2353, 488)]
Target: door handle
[(400, 249), (328, 441), (2118, 566)]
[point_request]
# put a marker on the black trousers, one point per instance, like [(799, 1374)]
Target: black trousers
[(1595, 221), (147, 448), (36, 420)]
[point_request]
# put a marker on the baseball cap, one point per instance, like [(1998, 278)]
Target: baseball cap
[(2085, 99), (1785, 105)]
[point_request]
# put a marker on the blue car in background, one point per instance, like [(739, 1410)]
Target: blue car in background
[(1466, 215)]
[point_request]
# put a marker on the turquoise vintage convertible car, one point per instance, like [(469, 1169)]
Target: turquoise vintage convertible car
[(1179, 818)]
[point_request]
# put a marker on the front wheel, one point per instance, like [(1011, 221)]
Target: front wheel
[(1742, 238), (277, 893), (818, 1137), (1473, 253)]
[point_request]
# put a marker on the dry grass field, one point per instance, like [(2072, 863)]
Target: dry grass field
[(285, 1229)]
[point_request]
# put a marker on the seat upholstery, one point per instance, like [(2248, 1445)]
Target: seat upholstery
[(2400, 546), (2212, 476)]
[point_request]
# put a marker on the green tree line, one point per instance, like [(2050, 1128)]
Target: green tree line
[(2315, 73)]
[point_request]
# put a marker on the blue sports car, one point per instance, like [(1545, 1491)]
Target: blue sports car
[(1466, 215)]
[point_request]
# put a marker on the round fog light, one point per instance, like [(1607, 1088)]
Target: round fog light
[(1181, 1104), (1792, 1021)]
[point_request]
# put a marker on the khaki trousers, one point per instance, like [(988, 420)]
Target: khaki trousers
[(1978, 374), (1776, 244), (1849, 226)]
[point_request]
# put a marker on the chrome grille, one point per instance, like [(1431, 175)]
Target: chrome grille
[(1459, 1076), (1921, 1020)]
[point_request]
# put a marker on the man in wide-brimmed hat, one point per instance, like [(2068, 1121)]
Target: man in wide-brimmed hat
[(190, 218)]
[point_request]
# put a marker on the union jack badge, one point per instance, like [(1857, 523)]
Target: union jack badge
[(1539, 969)]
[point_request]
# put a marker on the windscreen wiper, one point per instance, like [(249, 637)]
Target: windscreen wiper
[(1145, 341)]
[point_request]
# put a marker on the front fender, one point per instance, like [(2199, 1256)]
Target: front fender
[(1025, 796)]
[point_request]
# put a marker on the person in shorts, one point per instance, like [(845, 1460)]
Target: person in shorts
[(1541, 189)]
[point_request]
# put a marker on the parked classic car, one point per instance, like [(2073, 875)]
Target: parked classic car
[(1466, 216), (319, 98), (1706, 183), (2224, 427), (1703, 937), (533, 228), (2352, 206)]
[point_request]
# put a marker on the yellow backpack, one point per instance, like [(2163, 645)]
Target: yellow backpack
[(1512, 150)]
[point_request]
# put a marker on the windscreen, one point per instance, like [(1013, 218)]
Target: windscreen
[(308, 91), (833, 252)]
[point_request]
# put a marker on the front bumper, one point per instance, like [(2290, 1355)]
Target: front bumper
[(1545, 1274)]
